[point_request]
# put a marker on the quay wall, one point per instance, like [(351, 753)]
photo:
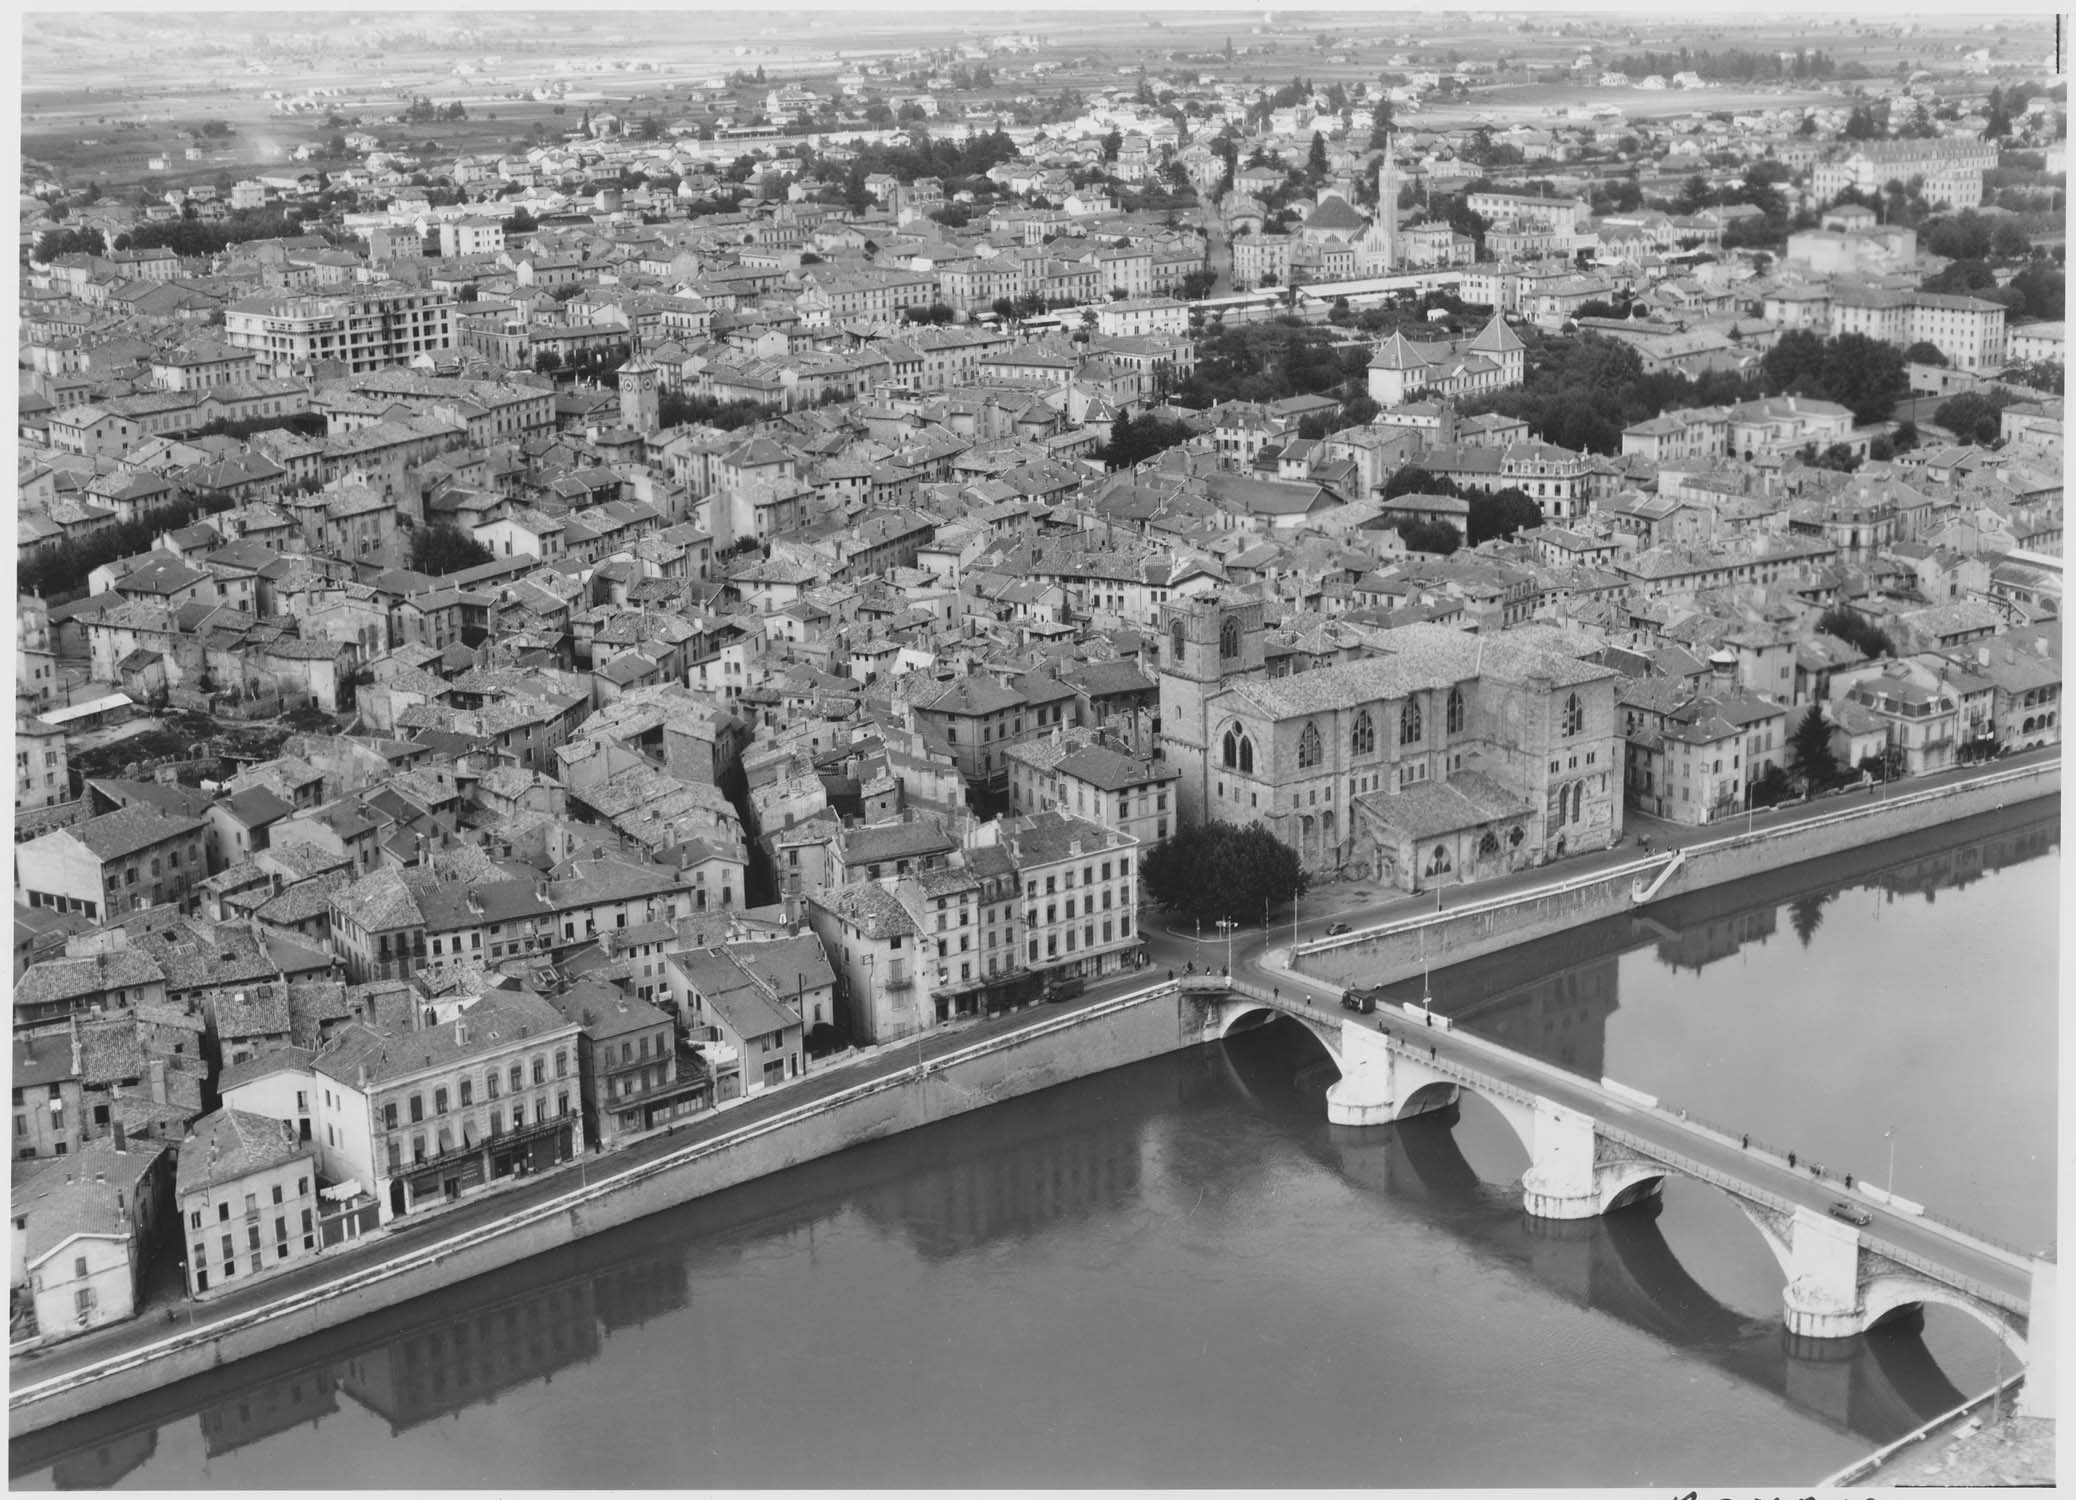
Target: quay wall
[(1053, 1049), (1396, 950)]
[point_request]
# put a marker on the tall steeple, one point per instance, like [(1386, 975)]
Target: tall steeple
[(1382, 241)]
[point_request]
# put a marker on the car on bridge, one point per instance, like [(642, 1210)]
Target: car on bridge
[(1852, 1213), (1336, 929), (1362, 1002)]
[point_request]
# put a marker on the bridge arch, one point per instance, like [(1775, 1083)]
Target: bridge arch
[(1899, 1292)]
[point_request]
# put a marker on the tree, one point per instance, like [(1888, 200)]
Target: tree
[(1809, 750), (1864, 636), (445, 548), (1772, 787), (1414, 480), (1436, 536), (56, 242), (1925, 352), (1196, 285), (1501, 514), (1973, 417), (1219, 871), (1315, 159), (1864, 374)]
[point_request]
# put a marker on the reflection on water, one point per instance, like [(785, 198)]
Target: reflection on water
[(1101, 1258)]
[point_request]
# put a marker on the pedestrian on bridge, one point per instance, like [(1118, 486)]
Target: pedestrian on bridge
[(1848, 1179), (1791, 1158), (1745, 1142)]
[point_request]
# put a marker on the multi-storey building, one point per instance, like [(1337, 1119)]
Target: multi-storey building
[(247, 1196), (121, 861), (1080, 893), (366, 329), (425, 1116)]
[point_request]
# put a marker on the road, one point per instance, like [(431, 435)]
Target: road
[(1357, 904)]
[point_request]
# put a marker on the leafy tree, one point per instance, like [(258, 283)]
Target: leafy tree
[(2044, 286), (1973, 417), (1315, 159), (1869, 639), (1864, 374), (1132, 443), (1196, 285), (1501, 514), (1436, 536), (1809, 750), (1219, 871), (445, 548), (1414, 480), (1925, 352), (53, 243), (1772, 787)]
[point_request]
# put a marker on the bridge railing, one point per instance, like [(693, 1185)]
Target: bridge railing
[(1967, 1232), (1735, 1186), (1933, 1271)]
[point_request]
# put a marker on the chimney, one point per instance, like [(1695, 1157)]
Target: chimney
[(157, 1071), (122, 1143), (461, 1032)]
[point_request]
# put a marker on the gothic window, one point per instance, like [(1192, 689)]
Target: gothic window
[(1239, 752), (1364, 740), (1308, 746), (1515, 835), (1229, 639), (1439, 863), (1176, 653), (1409, 723), (1455, 710), (1574, 715), (1488, 845)]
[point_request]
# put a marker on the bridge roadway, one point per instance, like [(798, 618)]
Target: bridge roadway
[(1938, 1251)]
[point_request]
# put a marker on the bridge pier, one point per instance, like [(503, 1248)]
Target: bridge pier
[(1379, 1085), (1560, 1182)]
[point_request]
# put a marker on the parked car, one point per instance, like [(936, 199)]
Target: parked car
[(1852, 1213), (1064, 989), (1335, 929), (1362, 1002)]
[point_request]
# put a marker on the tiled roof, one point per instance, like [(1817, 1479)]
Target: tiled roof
[(227, 1145)]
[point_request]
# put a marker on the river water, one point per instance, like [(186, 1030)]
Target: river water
[(1178, 1274)]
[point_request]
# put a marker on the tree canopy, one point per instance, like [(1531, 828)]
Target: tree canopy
[(1869, 639), (1973, 417), (1217, 871), (1809, 749), (444, 548)]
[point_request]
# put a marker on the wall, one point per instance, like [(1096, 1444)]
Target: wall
[(1055, 1049), (1449, 937)]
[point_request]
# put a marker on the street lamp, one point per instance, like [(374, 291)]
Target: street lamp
[(1226, 925), (1889, 1135)]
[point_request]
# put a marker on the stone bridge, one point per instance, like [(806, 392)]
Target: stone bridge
[(1592, 1151)]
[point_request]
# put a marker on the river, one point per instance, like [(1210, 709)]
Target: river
[(1178, 1274)]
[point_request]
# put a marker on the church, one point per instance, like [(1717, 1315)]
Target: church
[(1445, 758)]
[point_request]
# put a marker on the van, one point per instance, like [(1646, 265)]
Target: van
[(1064, 989)]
